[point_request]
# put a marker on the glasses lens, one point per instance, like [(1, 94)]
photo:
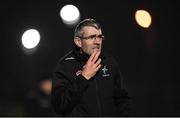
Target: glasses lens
[(100, 36), (93, 37)]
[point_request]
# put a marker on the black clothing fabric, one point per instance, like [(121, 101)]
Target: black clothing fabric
[(38, 103), (102, 95)]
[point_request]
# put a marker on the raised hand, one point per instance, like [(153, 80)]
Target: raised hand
[(92, 65)]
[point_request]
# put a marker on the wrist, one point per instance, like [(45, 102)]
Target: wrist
[(85, 76)]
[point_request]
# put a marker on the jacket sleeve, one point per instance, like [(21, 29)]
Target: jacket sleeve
[(121, 97), (66, 91)]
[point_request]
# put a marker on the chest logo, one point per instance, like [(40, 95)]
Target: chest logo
[(104, 70), (78, 72)]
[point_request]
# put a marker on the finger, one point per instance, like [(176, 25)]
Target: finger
[(92, 56), (98, 62), (96, 56), (99, 66)]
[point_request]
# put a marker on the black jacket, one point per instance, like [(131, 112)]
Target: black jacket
[(102, 95)]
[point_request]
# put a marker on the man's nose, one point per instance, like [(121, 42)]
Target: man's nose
[(97, 42)]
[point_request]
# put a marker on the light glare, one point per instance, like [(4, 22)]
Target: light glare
[(69, 14), (30, 38), (143, 18)]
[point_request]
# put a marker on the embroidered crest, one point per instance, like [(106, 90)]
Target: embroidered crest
[(104, 70)]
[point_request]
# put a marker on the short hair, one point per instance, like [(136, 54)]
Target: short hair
[(86, 22)]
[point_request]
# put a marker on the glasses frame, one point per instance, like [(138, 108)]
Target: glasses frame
[(94, 37)]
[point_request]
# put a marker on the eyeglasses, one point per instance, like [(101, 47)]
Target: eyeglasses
[(94, 37)]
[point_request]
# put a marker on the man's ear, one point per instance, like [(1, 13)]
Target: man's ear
[(78, 42)]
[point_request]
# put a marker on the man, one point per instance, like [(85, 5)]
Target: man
[(88, 82), (37, 102)]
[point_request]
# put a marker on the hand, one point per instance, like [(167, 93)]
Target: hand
[(92, 65)]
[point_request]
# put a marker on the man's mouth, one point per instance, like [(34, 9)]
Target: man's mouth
[(95, 48)]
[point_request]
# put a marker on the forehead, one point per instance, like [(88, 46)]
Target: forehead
[(91, 30)]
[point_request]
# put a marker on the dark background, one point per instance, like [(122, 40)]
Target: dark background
[(147, 57)]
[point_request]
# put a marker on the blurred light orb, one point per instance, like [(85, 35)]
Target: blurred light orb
[(143, 18), (30, 38), (69, 14)]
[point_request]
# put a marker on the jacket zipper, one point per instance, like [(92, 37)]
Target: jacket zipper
[(97, 97)]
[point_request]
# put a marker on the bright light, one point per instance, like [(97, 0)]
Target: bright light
[(30, 38), (69, 14), (143, 18)]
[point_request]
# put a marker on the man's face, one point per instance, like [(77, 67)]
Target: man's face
[(89, 45)]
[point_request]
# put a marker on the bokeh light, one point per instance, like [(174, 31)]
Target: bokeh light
[(70, 14), (143, 18)]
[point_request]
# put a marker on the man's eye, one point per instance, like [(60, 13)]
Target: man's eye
[(100, 36), (92, 36)]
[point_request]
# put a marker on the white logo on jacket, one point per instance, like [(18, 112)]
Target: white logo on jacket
[(78, 72), (104, 70)]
